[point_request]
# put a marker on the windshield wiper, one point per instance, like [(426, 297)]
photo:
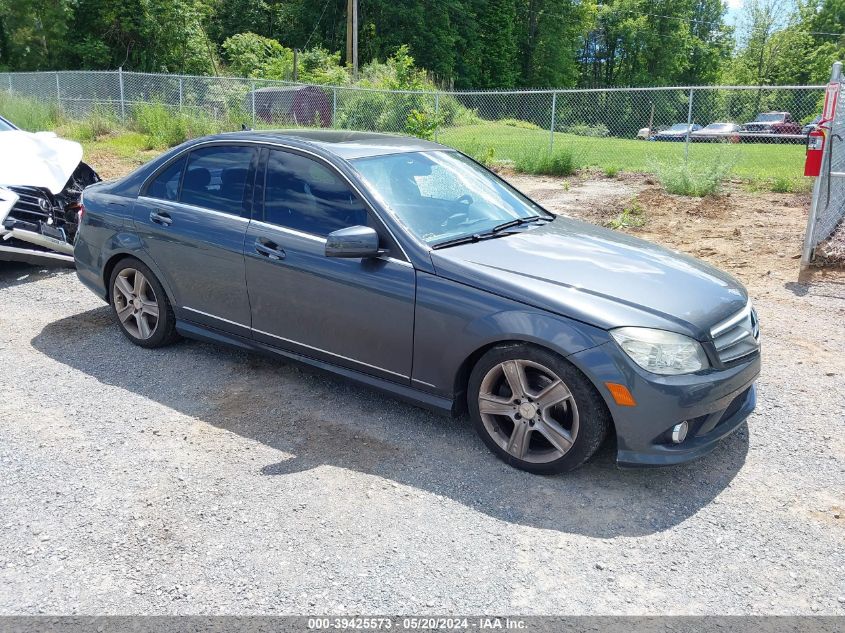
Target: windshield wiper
[(464, 239), (516, 222), (496, 231)]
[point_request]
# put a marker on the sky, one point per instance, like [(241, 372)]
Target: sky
[(734, 9)]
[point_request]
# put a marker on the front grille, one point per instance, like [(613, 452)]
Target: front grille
[(33, 205), (737, 336)]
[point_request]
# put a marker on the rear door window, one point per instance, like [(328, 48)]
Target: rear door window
[(217, 178), (165, 186)]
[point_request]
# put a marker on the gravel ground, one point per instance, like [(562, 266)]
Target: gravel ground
[(201, 480)]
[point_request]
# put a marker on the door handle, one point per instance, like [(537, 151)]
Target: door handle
[(269, 249), (159, 217)]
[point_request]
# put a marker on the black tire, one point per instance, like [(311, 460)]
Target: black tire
[(164, 331), (593, 417)]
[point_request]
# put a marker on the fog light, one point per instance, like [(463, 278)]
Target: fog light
[(679, 432)]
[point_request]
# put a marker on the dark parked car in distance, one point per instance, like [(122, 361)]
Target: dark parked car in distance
[(812, 125), (677, 132), (407, 266)]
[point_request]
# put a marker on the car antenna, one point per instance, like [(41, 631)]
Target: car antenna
[(245, 128)]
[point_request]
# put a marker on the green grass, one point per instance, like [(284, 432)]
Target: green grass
[(749, 160), (695, 178), (30, 114), (519, 123), (544, 162), (165, 127)]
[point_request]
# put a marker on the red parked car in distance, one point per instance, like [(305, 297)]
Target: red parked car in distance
[(772, 123)]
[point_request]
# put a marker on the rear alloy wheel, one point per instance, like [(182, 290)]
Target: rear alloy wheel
[(535, 410), (141, 306)]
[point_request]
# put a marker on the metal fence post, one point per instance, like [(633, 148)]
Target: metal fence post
[(334, 104), (58, 92), (812, 216), (689, 125), (10, 83), (436, 115), (253, 104), (122, 100), (181, 92), (552, 126)]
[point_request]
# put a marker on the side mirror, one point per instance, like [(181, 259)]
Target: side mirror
[(353, 242)]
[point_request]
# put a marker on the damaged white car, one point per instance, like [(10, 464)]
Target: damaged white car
[(41, 181)]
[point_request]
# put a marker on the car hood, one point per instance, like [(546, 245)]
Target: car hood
[(37, 160), (598, 276)]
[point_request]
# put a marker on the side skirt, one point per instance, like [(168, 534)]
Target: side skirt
[(409, 394)]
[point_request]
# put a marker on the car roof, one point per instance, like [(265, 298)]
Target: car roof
[(346, 144)]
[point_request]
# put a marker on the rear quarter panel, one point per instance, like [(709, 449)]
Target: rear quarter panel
[(107, 232)]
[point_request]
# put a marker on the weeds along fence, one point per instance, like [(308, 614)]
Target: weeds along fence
[(635, 129)]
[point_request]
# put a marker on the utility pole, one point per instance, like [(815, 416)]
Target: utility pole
[(296, 64), (352, 36)]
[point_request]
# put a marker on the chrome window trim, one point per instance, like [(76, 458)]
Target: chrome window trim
[(321, 240), (277, 144), (277, 227), (193, 207)]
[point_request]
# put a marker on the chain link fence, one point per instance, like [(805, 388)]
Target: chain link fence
[(825, 236), (759, 132), (756, 133)]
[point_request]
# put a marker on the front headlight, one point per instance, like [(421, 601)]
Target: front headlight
[(661, 352)]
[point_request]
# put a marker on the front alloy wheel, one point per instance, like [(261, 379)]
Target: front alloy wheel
[(535, 410), (528, 410)]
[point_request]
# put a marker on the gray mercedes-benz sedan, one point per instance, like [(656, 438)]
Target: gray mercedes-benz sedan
[(406, 265)]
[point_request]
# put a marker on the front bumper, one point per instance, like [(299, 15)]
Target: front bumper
[(714, 404)]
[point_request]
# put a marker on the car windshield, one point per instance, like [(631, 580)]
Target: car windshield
[(678, 127), (718, 127), (770, 116), (442, 195)]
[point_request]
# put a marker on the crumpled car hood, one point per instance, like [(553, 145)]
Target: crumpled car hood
[(37, 160)]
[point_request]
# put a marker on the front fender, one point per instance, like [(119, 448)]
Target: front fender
[(454, 321)]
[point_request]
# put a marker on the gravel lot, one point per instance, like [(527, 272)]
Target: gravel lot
[(198, 479)]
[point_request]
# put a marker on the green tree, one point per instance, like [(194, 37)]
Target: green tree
[(551, 34), (33, 33), (146, 35), (497, 30), (645, 42)]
